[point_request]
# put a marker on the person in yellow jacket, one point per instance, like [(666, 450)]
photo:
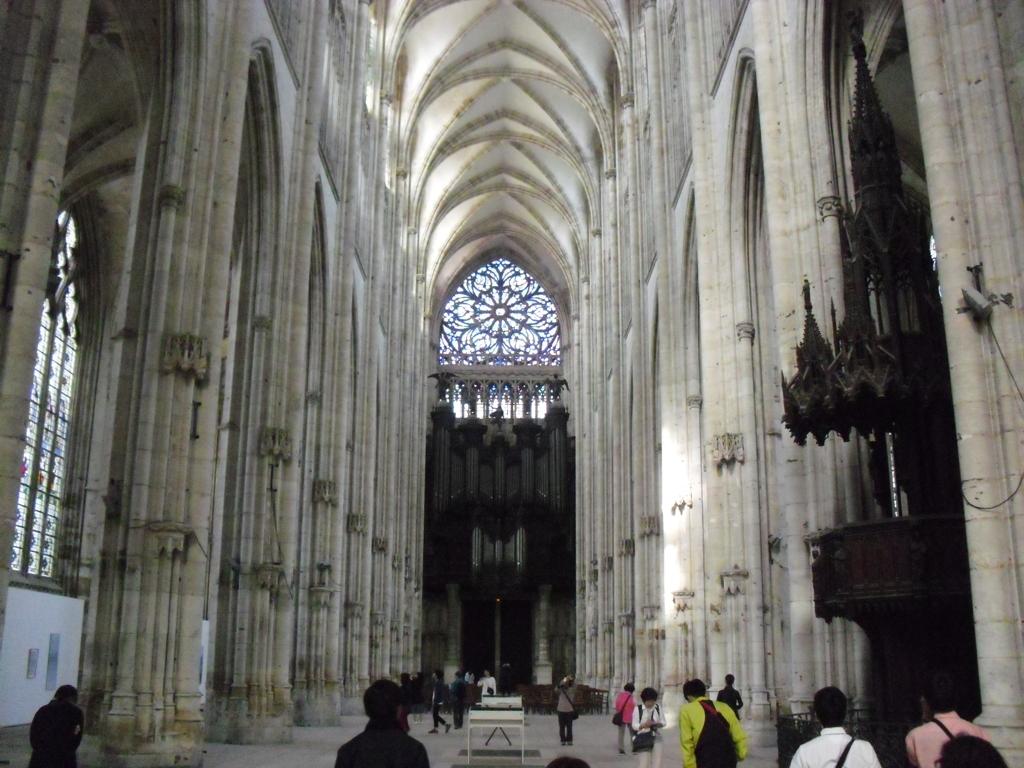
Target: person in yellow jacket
[(719, 744)]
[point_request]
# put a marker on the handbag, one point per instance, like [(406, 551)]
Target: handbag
[(643, 741), (617, 717)]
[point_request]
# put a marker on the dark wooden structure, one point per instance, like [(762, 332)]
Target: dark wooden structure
[(906, 582), (500, 523), (904, 578)]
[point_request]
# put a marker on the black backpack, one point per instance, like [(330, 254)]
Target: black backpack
[(715, 747)]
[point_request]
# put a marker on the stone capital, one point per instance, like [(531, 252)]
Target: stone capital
[(831, 205), (694, 401), (171, 196), (745, 331)]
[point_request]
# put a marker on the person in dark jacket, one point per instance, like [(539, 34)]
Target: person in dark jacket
[(459, 691), (731, 696), (506, 684), (56, 731), (383, 744), (437, 697)]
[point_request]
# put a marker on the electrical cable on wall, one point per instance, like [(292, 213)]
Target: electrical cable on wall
[(1020, 482)]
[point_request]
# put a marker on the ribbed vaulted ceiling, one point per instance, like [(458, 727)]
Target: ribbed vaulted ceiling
[(504, 112)]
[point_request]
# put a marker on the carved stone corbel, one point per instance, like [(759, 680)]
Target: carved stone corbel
[(683, 502), (325, 492), (683, 600), (185, 353), (626, 546), (380, 544), (355, 523), (728, 448), (320, 598), (167, 537), (650, 525), (275, 444), (269, 576), (734, 582), (651, 612)]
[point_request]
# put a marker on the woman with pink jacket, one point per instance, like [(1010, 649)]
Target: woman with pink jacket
[(624, 705)]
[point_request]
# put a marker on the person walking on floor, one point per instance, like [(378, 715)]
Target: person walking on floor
[(458, 698), (943, 723), (566, 711), (709, 733), (437, 701), (647, 718), (419, 704), (731, 696), (56, 731), (624, 706), (383, 744), (833, 748)]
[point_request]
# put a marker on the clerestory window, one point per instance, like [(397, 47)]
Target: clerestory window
[(500, 315), (44, 463)]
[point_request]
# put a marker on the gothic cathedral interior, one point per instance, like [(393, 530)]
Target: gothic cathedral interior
[(633, 340)]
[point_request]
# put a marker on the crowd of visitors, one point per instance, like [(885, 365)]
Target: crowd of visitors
[(710, 734)]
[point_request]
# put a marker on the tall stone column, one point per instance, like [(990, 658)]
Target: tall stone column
[(454, 657), (542, 664), (975, 196)]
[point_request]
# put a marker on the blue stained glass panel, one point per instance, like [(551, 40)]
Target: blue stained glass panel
[(44, 464), (500, 315)]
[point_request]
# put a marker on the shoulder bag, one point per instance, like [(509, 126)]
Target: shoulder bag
[(643, 741), (617, 717), (842, 757), (568, 698)]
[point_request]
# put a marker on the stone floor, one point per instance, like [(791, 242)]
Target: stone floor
[(593, 736)]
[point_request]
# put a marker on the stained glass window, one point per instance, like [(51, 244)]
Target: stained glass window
[(500, 315), (44, 464)]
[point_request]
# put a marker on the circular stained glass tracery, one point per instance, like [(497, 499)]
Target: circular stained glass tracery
[(500, 315)]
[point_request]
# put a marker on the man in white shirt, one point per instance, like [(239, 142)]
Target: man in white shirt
[(834, 748), (488, 685)]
